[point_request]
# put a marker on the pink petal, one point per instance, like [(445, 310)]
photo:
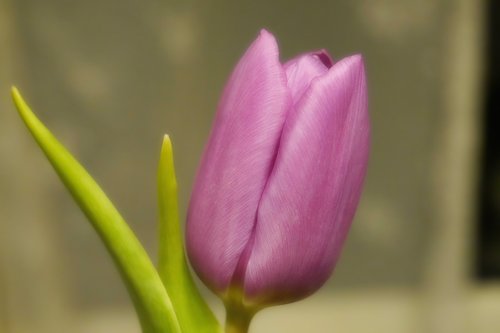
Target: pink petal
[(236, 163), (301, 70), (308, 205)]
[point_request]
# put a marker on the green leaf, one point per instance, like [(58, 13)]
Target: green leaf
[(192, 311), (152, 303)]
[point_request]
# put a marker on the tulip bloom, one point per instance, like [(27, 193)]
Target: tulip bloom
[(281, 175)]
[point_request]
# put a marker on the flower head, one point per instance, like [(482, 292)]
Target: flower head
[(281, 175)]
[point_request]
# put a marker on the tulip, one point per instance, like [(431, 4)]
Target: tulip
[(280, 177)]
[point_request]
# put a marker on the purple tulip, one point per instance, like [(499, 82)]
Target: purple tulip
[(281, 175)]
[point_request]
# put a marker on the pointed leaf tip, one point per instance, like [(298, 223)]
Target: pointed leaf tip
[(166, 150)]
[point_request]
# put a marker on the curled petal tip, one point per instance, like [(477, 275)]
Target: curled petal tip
[(356, 61), (267, 39), (324, 57), (266, 33), (270, 38)]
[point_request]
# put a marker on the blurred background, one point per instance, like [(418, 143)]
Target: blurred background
[(110, 77)]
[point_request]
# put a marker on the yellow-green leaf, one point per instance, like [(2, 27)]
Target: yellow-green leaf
[(192, 311), (152, 303)]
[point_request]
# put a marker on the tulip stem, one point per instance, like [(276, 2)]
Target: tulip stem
[(238, 319)]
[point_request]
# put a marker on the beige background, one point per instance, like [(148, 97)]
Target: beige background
[(111, 77)]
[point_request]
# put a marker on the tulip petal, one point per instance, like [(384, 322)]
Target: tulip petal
[(237, 162), (308, 205), (301, 70)]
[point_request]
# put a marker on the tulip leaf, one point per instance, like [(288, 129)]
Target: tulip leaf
[(152, 303), (192, 311)]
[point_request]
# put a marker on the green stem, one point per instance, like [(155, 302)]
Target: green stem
[(238, 319)]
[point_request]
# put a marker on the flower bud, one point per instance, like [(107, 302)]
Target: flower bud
[(281, 175)]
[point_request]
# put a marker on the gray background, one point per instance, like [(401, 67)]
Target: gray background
[(109, 78)]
